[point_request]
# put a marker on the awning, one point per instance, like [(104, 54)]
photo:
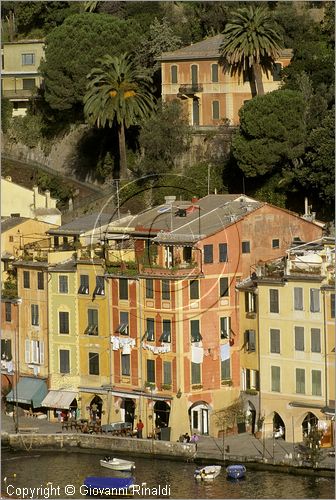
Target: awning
[(59, 399), (30, 391)]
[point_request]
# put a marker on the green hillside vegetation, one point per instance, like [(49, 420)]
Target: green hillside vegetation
[(283, 149)]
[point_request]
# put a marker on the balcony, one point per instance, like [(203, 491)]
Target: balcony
[(17, 94), (191, 89), (182, 269)]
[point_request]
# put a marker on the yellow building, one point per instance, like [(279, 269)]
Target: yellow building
[(64, 363), (294, 339), (32, 279), (16, 232), (94, 338), (249, 353), (19, 201), (20, 76)]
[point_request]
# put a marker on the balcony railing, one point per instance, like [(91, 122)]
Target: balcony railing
[(18, 94), (191, 89)]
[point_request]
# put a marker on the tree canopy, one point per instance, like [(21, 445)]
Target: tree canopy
[(118, 92), (272, 132), (164, 137), (250, 45), (72, 49)]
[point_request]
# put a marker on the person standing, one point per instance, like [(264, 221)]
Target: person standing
[(194, 439), (139, 429)]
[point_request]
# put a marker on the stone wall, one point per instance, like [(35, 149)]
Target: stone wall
[(165, 449)]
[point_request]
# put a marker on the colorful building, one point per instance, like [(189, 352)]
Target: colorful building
[(210, 95), (286, 341), (20, 76), (28, 203), (179, 315)]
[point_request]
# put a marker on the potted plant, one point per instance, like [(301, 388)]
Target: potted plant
[(260, 423)]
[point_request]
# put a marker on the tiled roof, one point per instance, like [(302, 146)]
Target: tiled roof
[(206, 49), (11, 222), (83, 224), (202, 218)]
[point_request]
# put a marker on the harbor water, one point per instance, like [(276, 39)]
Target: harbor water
[(37, 474)]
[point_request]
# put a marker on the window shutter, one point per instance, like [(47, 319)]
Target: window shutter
[(225, 369), (257, 380), (275, 378), (27, 351), (332, 305), (167, 375), (150, 370), (215, 110), (315, 340), (214, 73), (252, 340), (34, 358), (275, 341), (248, 378), (208, 254), (274, 300), (300, 381), (299, 338), (314, 300), (41, 352), (316, 383), (195, 373), (298, 299)]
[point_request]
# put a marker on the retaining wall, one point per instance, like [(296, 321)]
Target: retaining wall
[(164, 449)]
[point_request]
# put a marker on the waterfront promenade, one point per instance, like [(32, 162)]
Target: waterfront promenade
[(241, 447)]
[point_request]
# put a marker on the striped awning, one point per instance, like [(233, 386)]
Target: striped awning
[(59, 399)]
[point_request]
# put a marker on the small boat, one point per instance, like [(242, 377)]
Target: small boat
[(237, 471), (208, 472), (117, 464), (108, 487)]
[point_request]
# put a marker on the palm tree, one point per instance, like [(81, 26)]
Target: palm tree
[(250, 46), (119, 93)]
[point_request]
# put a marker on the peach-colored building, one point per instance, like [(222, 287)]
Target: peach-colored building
[(209, 95), (175, 322)]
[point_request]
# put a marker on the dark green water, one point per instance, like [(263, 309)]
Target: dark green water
[(35, 469)]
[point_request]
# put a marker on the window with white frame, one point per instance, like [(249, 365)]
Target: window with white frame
[(34, 352)]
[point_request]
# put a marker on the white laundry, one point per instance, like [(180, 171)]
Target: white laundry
[(225, 352), (156, 349), (197, 354), (115, 343), (126, 349)]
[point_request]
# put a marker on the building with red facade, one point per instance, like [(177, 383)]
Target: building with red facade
[(175, 311)]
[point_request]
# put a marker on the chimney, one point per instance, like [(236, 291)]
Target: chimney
[(307, 211), (35, 191), (47, 198)]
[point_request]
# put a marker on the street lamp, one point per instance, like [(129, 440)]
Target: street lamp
[(17, 302)]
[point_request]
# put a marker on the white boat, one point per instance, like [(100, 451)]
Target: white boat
[(208, 472), (117, 464)]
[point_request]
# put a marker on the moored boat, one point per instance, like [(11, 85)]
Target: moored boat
[(208, 472), (236, 471), (117, 464), (107, 487)]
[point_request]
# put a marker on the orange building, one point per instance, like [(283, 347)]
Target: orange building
[(175, 323), (209, 94)]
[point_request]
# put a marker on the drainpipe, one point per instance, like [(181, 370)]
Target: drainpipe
[(140, 344)]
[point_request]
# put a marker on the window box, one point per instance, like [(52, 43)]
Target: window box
[(227, 382), (196, 387), (252, 392), (166, 387), (150, 385)]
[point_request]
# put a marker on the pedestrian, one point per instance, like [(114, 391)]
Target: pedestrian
[(94, 409), (194, 439), (139, 429), (186, 438)]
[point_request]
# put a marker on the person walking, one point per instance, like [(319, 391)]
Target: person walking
[(139, 429)]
